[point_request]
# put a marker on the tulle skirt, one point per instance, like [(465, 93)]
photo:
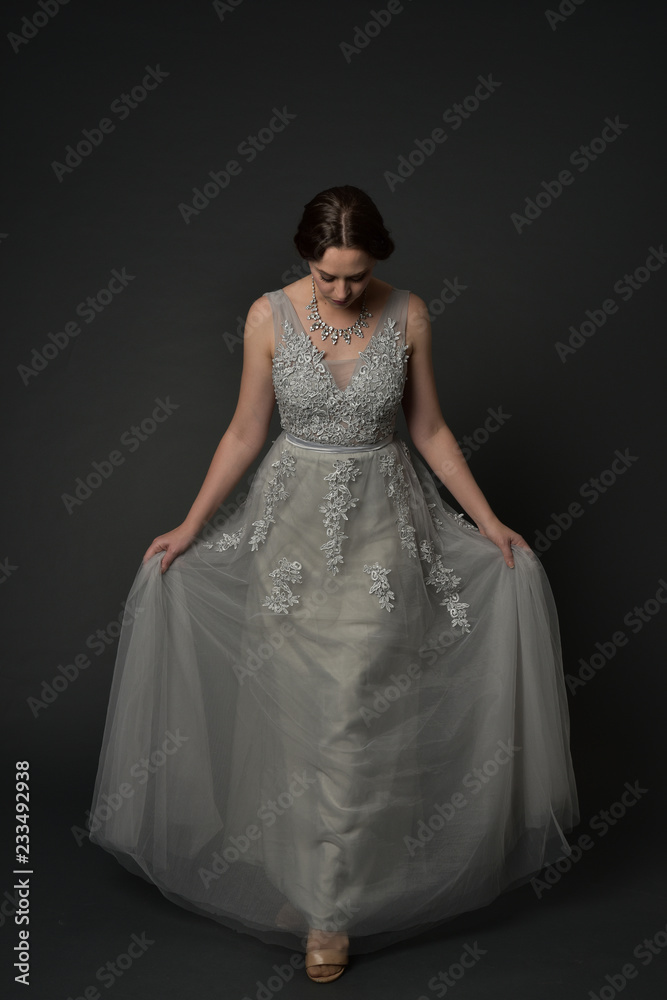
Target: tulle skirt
[(340, 709)]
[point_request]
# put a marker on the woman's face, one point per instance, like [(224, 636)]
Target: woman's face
[(341, 275)]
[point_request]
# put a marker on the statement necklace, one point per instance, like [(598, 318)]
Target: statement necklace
[(319, 324)]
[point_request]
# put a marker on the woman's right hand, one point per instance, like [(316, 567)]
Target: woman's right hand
[(173, 543)]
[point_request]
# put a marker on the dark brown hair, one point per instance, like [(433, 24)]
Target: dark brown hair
[(342, 217)]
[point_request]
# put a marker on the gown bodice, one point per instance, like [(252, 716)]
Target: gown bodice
[(311, 403)]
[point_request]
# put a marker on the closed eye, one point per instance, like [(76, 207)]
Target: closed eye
[(356, 277)]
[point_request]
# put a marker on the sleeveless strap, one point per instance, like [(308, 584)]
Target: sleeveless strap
[(279, 313), (400, 310), (327, 956)]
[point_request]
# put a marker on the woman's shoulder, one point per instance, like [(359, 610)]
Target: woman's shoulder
[(415, 305), (417, 326), (261, 313), (417, 308)]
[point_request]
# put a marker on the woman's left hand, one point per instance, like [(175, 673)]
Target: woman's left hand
[(504, 538)]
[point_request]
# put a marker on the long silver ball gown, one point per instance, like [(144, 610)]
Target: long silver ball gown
[(339, 708)]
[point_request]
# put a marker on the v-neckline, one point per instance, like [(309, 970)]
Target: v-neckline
[(360, 359)]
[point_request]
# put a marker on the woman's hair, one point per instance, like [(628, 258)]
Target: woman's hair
[(342, 217)]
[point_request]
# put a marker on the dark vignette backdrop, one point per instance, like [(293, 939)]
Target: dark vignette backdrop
[(169, 335)]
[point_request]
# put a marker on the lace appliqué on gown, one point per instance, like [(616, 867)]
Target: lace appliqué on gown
[(434, 517), (337, 503), (226, 541), (460, 519), (274, 493), (427, 550), (446, 583), (380, 585), (281, 598), (397, 489)]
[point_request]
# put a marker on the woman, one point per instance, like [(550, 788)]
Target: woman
[(347, 700)]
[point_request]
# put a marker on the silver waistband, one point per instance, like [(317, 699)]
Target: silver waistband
[(338, 447)]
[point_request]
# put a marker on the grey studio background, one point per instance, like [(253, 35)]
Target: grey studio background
[(157, 159)]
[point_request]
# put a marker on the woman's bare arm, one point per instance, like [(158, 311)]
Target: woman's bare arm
[(435, 441), (241, 442)]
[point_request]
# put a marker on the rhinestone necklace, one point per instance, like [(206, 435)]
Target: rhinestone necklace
[(319, 324)]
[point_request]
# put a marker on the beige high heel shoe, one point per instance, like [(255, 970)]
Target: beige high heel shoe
[(325, 956)]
